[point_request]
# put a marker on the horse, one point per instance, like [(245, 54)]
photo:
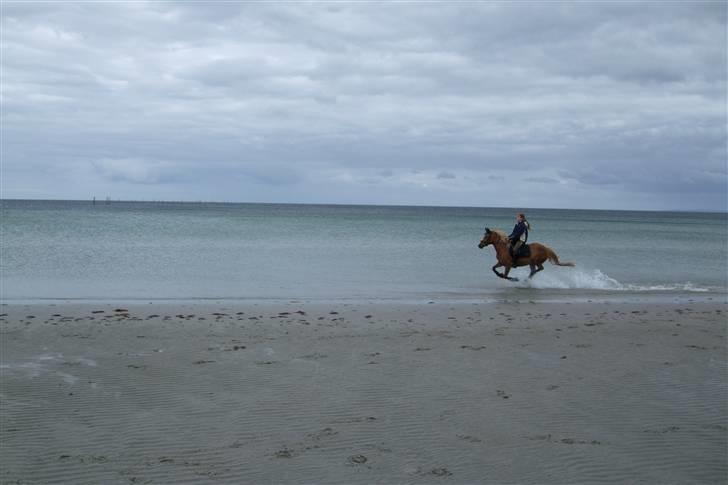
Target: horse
[(539, 254)]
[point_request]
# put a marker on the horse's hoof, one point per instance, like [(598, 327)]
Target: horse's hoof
[(513, 279)]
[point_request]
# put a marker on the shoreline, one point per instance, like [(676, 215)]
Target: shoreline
[(364, 392), (509, 295)]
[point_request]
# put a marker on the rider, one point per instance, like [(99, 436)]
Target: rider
[(519, 236)]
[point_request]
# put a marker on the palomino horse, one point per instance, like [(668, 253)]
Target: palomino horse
[(539, 254)]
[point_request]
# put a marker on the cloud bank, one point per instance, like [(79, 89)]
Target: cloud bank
[(606, 105)]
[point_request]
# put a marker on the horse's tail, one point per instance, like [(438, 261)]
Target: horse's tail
[(555, 259)]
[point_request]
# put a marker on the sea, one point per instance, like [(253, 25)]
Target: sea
[(147, 251)]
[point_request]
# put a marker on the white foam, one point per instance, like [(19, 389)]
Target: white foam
[(676, 287), (85, 361), (575, 278), (42, 365), (68, 378), (29, 369), (50, 356)]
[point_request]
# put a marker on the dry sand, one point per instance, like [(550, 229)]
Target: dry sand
[(364, 393)]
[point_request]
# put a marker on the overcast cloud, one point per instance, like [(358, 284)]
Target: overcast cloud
[(589, 105)]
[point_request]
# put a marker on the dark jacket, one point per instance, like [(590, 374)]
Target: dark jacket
[(518, 230)]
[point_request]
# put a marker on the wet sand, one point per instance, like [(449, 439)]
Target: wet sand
[(364, 393)]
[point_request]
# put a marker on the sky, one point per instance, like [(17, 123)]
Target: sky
[(595, 105)]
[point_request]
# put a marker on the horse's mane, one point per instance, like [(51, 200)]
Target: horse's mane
[(501, 234)]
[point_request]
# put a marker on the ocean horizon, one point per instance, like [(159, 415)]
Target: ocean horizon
[(109, 201), (137, 250)]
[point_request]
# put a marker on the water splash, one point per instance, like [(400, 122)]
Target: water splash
[(579, 279)]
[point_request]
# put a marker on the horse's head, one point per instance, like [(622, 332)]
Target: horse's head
[(488, 238)]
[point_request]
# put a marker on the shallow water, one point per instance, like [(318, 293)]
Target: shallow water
[(145, 250)]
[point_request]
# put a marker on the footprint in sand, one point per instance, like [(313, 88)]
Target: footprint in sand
[(322, 434), (360, 419), (440, 472), (358, 459), (563, 441), (314, 356), (284, 453), (669, 429)]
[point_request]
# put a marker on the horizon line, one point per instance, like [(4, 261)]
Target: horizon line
[(109, 201)]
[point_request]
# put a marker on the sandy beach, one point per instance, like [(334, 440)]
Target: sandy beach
[(300, 392)]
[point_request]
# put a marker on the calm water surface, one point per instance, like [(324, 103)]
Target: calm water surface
[(138, 250)]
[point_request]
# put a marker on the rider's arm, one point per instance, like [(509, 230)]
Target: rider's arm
[(517, 231)]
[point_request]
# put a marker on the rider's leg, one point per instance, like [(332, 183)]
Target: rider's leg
[(516, 248)]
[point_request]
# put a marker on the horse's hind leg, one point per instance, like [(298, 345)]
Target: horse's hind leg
[(535, 268)]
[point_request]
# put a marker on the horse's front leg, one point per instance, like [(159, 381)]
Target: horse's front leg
[(494, 268), (503, 275), (509, 278)]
